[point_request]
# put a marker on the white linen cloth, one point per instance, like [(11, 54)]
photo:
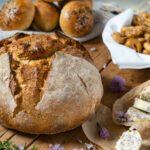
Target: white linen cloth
[(121, 55)]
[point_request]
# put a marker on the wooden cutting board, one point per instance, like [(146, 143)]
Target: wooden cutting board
[(68, 140)]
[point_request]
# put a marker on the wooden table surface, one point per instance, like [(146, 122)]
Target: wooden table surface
[(68, 140)]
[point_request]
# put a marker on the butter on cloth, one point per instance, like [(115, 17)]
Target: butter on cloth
[(121, 55)]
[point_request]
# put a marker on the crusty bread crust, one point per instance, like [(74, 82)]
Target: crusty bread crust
[(46, 85)]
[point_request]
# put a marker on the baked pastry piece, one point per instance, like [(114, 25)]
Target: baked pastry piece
[(17, 15), (89, 3), (48, 84), (46, 16), (76, 19)]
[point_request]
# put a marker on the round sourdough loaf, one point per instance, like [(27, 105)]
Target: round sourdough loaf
[(48, 84)]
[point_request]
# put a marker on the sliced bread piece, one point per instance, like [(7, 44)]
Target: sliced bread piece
[(130, 140), (142, 105), (137, 115)]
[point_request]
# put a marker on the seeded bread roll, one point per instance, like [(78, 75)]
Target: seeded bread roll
[(52, 0), (46, 16), (48, 84), (76, 19), (89, 3), (17, 15)]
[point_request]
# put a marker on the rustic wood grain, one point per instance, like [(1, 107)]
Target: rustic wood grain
[(2, 131), (132, 77), (101, 56), (23, 139), (95, 43), (8, 135), (68, 140)]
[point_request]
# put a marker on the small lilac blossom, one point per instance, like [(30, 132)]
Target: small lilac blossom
[(90, 146), (104, 66), (77, 149), (20, 147), (80, 141), (55, 147), (104, 133), (93, 49), (121, 116), (117, 84)]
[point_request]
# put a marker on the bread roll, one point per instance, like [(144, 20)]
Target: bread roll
[(17, 15), (76, 19), (89, 3), (52, 0), (46, 16), (48, 84)]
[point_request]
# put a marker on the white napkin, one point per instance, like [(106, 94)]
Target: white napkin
[(123, 56)]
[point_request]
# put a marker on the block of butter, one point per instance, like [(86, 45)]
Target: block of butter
[(137, 115), (142, 105)]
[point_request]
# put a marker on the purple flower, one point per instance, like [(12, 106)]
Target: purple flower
[(93, 49), (121, 116), (77, 149), (90, 146), (86, 145), (55, 147), (20, 147), (117, 84), (104, 66), (80, 141), (104, 133)]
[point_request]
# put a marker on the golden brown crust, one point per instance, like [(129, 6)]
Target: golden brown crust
[(76, 19), (89, 3), (45, 80), (17, 15), (34, 47), (46, 16), (52, 0)]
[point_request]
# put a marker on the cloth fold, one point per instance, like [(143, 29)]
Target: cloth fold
[(121, 55)]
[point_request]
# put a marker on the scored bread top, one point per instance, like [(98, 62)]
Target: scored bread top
[(47, 89)]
